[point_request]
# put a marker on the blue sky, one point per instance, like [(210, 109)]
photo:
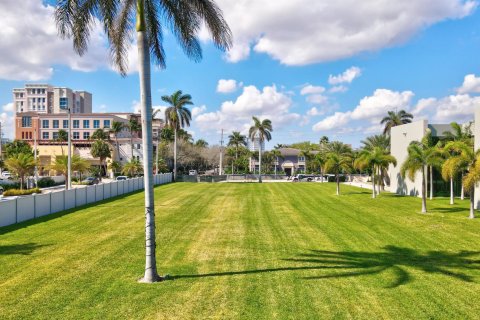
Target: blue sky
[(385, 55)]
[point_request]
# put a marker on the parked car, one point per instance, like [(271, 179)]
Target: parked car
[(304, 177), (119, 178), (91, 180), (192, 172), (6, 175)]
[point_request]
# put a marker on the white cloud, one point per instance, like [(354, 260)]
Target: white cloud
[(317, 99), (198, 110), (337, 120), (237, 115), (346, 77), (226, 86), (471, 84), (31, 47), (303, 31), (309, 89), (337, 89), (8, 107), (7, 120), (315, 112), (459, 108)]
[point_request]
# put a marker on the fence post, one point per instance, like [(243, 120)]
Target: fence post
[(16, 210), (34, 206), (50, 204)]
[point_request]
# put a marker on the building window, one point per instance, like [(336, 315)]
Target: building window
[(65, 124), (45, 136), (76, 124), (96, 124), (76, 135), (56, 124), (63, 103), (86, 136), (106, 123), (301, 159), (26, 122), (86, 124), (45, 124), (55, 135)]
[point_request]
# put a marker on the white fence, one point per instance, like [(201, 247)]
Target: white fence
[(31, 207)]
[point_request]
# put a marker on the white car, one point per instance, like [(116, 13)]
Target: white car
[(6, 175), (192, 172)]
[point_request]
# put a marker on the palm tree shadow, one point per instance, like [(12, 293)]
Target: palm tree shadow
[(20, 249), (357, 263)]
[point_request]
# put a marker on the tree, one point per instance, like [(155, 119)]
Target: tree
[(60, 165), (116, 128), (277, 154), (464, 159), (376, 159), (62, 138), (320, 159), (133, 127), (236, 139), (201, 143), (21, 164), (100, 149), (100, 134), (16, 147), (115, 166), (177, 116), (339, 160), (75, 19), (379, 140), (394, 119), (260, 130), (420, 156), (132, 168), (324, 140)]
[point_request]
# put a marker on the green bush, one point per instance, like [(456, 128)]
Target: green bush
[(45, 182), (18, 192), (10, 186)]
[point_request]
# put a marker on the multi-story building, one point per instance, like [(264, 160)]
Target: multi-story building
[(291, 162), (46, 99)]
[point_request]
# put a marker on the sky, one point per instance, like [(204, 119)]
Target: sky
[(313, 68)]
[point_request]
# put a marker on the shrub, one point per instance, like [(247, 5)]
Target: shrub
[(10, 186), (18, 192), (45, 182)]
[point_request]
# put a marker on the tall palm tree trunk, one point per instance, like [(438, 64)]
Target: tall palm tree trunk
[(131, 144), (379, 180), (175, 155), (472, 203), (424, 191), (431, 182), (373, 183), (118, 148), (151, 274), (462, 192), (451, 191), (338, 184), (260, 163)]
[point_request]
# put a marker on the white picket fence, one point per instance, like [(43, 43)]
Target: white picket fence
[(34, 206)]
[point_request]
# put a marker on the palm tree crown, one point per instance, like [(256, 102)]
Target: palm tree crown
[(260, 130), (395, 119), (177, 114)]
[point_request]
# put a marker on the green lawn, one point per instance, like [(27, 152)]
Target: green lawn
[(247, 251)]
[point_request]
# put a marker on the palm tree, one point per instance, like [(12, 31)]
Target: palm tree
[(100, 149), (159, 136), (320, 159), (394, 119), (115, 166), (464, 159), (376, 159), (62, 138), (324, 140), (177, 116), (471, 180), (132, 168), (379, 140), (417, 160), (260, 130), (21, 164), (201, 143), (116, 128), (60, 165), (277, 154), (338, 160), (76, 18), (133, 127), (236, 139), (100, 134)]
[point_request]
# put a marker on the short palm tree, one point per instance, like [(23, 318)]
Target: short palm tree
[(100, 134), (21, 164), (177, 116), (339, 160), (132, 168), (376, 159), (76, 18), (464, 159), (133, 127), (394, 119), (261, 130), (115, 166), (62, 138), (101, 149), (60, 165), (116, 128), (320, 160), (236, 139)]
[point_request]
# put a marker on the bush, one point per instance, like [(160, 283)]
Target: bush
[(45, 182), (18, 192), (10, 186)]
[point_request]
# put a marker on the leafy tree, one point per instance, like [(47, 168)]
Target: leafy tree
[(60, 165), (376, 159), (324, 140), (21, 164), (132, 168), (115, 166), (260, 130), (394, 119), (100, 149), (184, 18), (100, 134), (339, 160), (116, 128), (16, 147), (236, 139), (177, 116), (201, 143), (471, 180)]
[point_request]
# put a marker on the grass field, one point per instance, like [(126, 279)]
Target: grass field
[(247, 251)]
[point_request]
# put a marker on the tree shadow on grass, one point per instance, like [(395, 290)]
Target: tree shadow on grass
[(358, 263), (21, 249), (450, 210)]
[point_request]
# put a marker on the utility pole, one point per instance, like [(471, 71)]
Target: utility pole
[(221, 155)]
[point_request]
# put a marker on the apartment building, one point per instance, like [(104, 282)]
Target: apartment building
[(47, 99), (291, 162)]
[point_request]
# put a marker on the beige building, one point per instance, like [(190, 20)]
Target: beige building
[(46, 99)]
